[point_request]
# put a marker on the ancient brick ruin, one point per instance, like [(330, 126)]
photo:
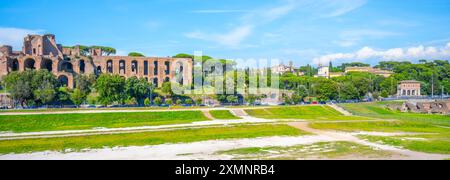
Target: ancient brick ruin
[(423, 106), (42, 52)]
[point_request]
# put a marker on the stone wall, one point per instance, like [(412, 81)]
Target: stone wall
[(42, 52)]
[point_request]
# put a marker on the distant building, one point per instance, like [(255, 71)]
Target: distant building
[(281, 69), (409, 89), (324, 71), (336, 74), (376, 71)]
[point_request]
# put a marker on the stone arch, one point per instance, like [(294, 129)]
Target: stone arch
[(14, 65), (179, 73), (134, 66), (122, 67), (167, 67), (99, 69), (63, 80), (29, 64), (65, 66), (109, 66), (156, 68), (82, 66), (47, 64)]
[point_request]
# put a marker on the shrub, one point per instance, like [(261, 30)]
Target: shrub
[(179, 101), (169, 101), (157, 101), (147, 102), (188, 102)]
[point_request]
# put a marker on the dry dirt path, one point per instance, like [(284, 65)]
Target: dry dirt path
[(340, 109), (342, 136), (207, 114), (185, 151)]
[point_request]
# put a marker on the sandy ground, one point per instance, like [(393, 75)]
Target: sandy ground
[(340, 109), (188, 151)]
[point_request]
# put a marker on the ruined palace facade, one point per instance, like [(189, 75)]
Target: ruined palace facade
[(42, 52)]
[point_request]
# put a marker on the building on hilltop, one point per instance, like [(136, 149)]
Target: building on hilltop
[(375, 71), (42, 52), (323, 71)]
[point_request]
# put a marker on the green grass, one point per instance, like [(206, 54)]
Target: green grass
[(379, 110), (97, 109), (223, 114), (382, 126), (321, 150), (437, 139), (429, 143), (53, 122), (301, 112), (148, 138)]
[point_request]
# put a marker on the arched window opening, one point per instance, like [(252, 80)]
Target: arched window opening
[(155, 70), (99, 69), (47, 64), (82, 66), (63, 81), (109, 66), (15, 65), (66, 67), (122, 67), (167, 64), (29, 64), (134, 67)]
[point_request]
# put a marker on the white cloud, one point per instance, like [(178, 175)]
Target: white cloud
[(231, 39), (218, 11), (252, 19), (410, 53), (353, 37), (14, 36), (237, 35), (340, 7), (279, 11)]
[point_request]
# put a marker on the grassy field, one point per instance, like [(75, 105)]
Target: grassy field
[(223, 114), (437, 126), (301, 112), (99, 109), (322, 150), (52, 122), (148, 138), (379, 110), (429, 143), (395, 126)]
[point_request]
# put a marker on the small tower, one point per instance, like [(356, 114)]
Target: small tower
[(324, 71)]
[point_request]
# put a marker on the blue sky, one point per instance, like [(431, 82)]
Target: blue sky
[(302, 31)]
